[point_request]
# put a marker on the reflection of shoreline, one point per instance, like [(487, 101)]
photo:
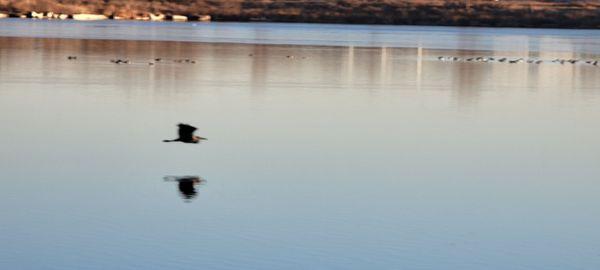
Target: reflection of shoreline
[(186, 185)]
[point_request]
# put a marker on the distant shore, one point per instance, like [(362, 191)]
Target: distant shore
[(501, 13)]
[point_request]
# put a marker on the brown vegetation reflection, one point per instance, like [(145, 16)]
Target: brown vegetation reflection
[(257, 71)]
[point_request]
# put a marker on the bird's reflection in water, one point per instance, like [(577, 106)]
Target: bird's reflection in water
[(187, 185)]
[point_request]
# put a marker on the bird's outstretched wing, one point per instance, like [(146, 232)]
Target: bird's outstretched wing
[(194, 178), (186, 131)]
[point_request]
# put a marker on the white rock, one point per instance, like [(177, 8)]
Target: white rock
[(179, 18), (89, 17), (157, 17), (204, 18), (37, 15)]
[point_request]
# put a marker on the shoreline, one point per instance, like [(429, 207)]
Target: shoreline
[(577, 14), (208, 19)]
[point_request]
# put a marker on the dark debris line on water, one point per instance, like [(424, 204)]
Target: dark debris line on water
[(516, 61), (154, 61), (481, 59)]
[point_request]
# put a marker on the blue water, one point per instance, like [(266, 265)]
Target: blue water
[(429, 37), (340, 157)]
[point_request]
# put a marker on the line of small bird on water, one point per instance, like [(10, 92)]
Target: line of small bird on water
[(151, 62), (514, 61), (157, 60), (287, 56), (154, 61)]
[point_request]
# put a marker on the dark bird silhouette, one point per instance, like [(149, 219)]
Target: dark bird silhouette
[(186, 135), (186, 185), (120, 61)]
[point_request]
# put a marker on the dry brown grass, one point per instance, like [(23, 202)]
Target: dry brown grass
[(535, 13)]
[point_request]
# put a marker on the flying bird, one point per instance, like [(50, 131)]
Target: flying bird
[(186, 135)]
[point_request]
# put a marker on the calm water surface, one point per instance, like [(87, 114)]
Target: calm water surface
[(339, 158), (434, 37)]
